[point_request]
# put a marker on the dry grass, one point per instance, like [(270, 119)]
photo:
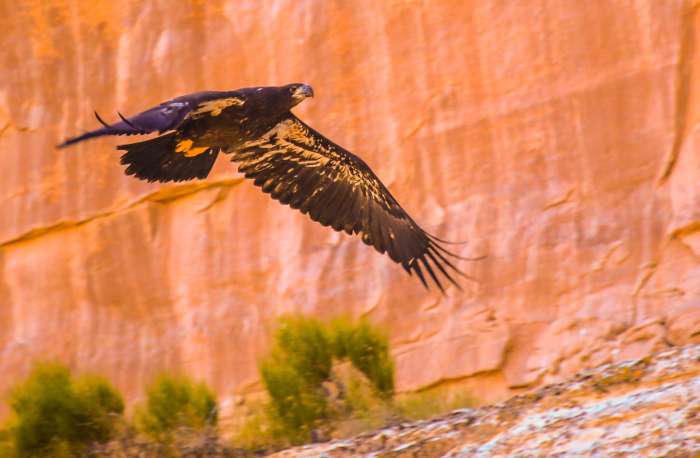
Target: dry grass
[(432, 403)]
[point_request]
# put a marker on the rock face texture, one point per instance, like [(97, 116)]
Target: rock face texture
[(646, 407), (559, 139)]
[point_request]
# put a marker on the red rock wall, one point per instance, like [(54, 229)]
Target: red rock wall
[(559, 138)]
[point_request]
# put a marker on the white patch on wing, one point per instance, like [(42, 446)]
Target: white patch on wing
[(215, 107)]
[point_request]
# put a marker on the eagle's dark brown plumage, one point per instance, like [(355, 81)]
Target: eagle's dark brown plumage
[(289, 160)]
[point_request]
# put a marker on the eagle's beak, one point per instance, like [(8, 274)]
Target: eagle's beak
[(304, 91)]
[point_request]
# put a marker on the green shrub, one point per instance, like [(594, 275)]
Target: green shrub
[(57, 415), (305, 346), (367, 348), (299, 375), (293, 373), (174, 402)]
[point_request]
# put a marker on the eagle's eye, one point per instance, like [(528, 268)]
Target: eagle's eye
[(292, 89)]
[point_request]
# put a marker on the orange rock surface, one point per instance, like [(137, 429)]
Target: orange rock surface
[(560, 139)]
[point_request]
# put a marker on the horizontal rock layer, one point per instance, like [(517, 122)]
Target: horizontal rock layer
[(558, 139)]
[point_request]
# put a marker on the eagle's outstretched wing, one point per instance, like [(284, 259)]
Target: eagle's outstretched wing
[(166, 116), (299, 167)]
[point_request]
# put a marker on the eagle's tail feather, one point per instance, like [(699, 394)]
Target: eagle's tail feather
[(157, 160)]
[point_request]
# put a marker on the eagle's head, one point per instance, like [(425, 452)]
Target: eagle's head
[(298, 92), (276, 99)]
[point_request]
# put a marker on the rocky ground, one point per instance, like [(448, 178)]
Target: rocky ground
[(645, 407)]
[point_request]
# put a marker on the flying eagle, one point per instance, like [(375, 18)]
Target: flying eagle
[(285, 157)]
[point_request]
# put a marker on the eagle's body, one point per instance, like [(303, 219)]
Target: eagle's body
[(288, 159)]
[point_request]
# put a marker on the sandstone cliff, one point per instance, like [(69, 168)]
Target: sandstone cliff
[(560, 139)]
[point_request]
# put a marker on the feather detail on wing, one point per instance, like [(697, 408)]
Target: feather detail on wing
[(299, 167)]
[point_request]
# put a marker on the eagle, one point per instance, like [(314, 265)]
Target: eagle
[(286, 158)]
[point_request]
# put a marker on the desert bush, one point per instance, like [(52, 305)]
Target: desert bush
[(367, 348), (58, 415), (336, 380), (292, 375), (305, 345), (307, 398), (173, 403)]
